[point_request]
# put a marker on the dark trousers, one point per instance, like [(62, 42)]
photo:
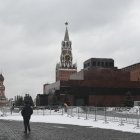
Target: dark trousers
[(27, 124)]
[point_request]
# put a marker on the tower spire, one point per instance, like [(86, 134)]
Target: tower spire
[(66, 37)]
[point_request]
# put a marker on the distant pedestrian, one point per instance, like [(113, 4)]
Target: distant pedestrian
[(65, 107), (26, 112)]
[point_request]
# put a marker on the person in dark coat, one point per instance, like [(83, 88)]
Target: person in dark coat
[(26, 112)]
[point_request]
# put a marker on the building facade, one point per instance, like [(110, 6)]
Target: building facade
[(99, 63), (134, 71)]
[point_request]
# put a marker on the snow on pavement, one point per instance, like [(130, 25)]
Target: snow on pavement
[(64, 119)]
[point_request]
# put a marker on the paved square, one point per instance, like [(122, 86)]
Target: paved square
[(13, 130)]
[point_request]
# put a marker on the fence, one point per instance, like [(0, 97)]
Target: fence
[(49, 110), (107, 114), (121, 115)]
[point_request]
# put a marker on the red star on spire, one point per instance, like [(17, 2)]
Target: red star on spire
[(66, 23)]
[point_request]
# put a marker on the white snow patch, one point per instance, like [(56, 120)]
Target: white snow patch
[(64, 119)]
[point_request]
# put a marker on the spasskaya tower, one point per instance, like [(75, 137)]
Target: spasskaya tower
[(65, 67)]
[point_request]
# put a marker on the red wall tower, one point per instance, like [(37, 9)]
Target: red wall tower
[(65, 68)]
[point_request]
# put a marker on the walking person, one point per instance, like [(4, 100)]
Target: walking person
[(26, 112), (65, 107)]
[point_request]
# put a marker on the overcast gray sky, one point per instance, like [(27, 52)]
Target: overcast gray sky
[(31, 32)]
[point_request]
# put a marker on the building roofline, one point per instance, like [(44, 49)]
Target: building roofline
[(133, 65)]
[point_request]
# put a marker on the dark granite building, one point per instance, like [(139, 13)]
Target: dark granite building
[(99, 63)]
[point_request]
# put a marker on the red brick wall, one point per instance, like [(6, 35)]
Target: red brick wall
[(105, 100), (64, 75), (100, 83), (106, 74), (108, 100), (135, 75), (136, 98)]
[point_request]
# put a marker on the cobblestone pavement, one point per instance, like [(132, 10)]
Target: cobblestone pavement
[(13, 130)]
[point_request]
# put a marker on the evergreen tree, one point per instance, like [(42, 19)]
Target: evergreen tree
[(28, 98), (18, 100)]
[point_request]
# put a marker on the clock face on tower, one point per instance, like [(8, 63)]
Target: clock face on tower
[(67, 57)]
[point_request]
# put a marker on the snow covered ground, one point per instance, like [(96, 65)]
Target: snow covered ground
[(65, 119)]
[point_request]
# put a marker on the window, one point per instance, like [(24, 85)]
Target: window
[(93, 63), (85, 65), (102, 64), (98, 63), (111, 64), (106, 64)]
